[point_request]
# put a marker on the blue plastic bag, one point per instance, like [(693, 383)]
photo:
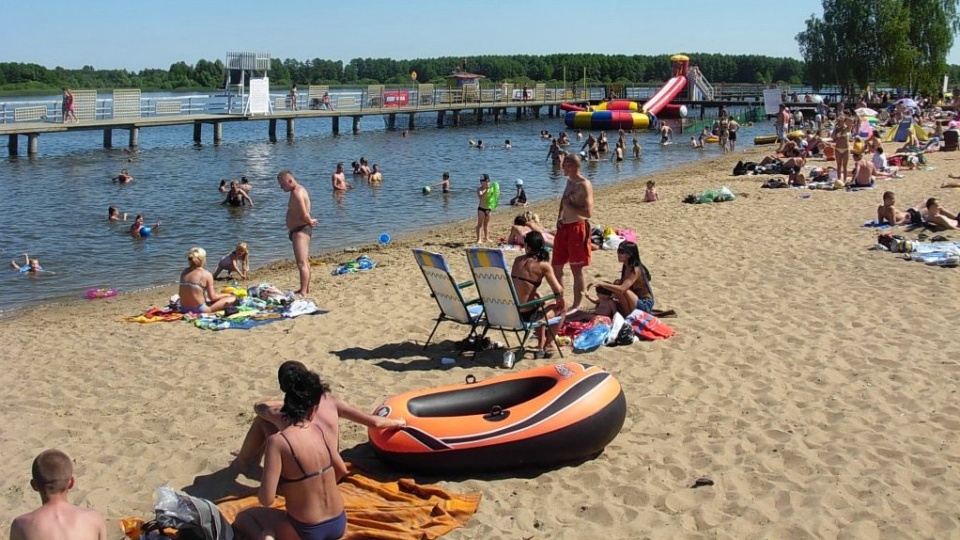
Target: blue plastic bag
[(591, 338)]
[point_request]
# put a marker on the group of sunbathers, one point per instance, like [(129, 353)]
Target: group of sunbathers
[(929, 213)]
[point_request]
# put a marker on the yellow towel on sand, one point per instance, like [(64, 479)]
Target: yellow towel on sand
[(400, 510)]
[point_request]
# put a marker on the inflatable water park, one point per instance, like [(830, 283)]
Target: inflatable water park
[(627, 114)]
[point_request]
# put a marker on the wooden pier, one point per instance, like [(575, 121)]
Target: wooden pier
[(32, 130)]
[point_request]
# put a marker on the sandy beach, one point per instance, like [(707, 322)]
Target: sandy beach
[(812, 379)]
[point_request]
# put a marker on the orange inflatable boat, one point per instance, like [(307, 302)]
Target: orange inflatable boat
[(539, 417)]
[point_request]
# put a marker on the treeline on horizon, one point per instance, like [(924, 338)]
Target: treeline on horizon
[(600, 69)]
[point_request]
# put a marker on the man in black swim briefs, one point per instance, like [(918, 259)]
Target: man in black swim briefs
[(300, 226)]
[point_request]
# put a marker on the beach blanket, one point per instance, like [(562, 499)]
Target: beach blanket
[(154, 315), (400, 510), (931, 253), (249, 317), (361, 263), (876, 224)]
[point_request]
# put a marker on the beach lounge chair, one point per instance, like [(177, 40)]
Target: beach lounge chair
[(491, 273), (448, 293)]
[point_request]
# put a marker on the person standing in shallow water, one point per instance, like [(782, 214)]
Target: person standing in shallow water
[(300, 226)]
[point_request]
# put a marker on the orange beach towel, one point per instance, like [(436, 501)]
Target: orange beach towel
[(401, 510)]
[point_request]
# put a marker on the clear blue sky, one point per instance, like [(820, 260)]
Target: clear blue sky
[(133, 35)]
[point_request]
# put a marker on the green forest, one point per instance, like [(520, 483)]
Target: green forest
[(554, 69)]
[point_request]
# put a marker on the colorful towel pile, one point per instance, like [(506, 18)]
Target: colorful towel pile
[(361, 263)]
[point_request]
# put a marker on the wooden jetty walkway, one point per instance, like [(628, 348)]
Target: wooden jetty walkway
[(128, 111), (31, 122)]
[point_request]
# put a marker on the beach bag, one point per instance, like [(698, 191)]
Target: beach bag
[(612, 242), (739, 169), (193, 517), (591, 338)]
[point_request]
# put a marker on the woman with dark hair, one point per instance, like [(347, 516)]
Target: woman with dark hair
[(528, 272), (299, 439), (632, 291)]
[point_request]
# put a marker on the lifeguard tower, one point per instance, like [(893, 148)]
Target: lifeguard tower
[(242, 68)]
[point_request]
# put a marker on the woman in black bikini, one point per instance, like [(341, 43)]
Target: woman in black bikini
[(301, 446), (299, 463), (528, 272)]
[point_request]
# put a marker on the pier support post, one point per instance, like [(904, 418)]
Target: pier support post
[(536, 112), (272, 130), (217, 132), (392, 121), (551, 111), (134, 137), (411, 122), (480, 115), (336, 125), (32, 143), (290, 128), (108, 138), (456, 118), (440, 117), (496, 116), (197, 132), (519, 113), (356, 124), (13, 143)]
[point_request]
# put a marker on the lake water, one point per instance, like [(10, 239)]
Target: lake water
[(54, 205)]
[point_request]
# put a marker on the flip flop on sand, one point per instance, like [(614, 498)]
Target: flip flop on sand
[(664, 313)]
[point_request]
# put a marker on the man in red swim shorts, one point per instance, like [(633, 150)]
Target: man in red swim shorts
[(572, 243)]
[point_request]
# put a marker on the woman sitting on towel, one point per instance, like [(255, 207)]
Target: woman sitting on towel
[(632, 291), (197, 294), (302, 463), (528, 272), (270, 420)]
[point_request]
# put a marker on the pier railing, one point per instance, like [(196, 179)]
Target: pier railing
[(375, 98), (379, 99)]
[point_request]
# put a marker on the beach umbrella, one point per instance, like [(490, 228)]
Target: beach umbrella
[(866, 111)]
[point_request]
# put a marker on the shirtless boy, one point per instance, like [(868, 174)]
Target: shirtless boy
[(665, 133), (339, 180), (572, 242), (56, 519), (299, 225), (862, 172), (887, 214), (124, 177)]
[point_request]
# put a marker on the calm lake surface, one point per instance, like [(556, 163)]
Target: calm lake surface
[(54, 205)]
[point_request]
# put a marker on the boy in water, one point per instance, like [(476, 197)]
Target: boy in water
[(52, 478), (136, 230), (114, 215), (30, 266), (124, 177)]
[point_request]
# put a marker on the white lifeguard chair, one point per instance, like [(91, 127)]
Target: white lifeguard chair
[(242, 69)]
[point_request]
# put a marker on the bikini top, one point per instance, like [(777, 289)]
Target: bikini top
[(297, 460)]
